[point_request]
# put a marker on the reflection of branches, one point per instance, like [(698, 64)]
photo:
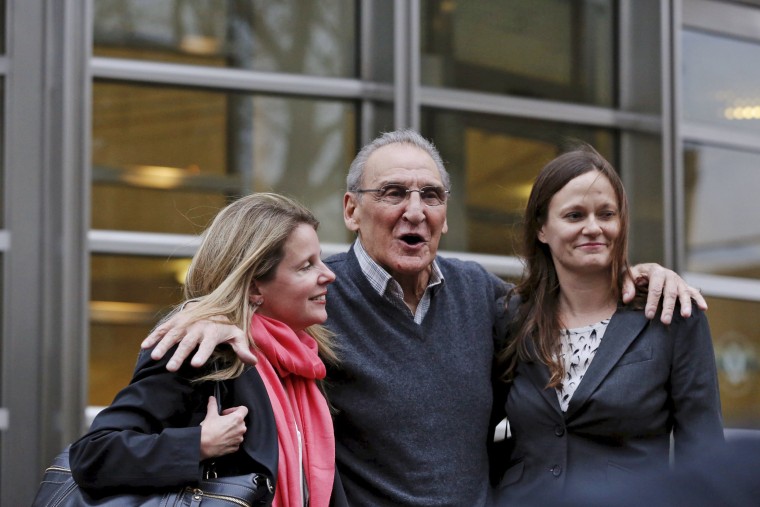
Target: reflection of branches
[(194, 17), (294, 36), (114, 16)]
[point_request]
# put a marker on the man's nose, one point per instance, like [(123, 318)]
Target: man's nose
[(414, 208)]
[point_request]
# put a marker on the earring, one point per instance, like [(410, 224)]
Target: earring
[(257, 302)]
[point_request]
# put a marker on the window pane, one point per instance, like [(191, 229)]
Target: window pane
[(315, 37), (166, 159), (736, 335), (493, 162), (720, 81), (128, 296), (722, 230), (551, 49)]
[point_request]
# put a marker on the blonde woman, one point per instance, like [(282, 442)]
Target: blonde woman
[(259, 266)]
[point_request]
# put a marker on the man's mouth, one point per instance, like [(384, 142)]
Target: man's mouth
[(412, 239)]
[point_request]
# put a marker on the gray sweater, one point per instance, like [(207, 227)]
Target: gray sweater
[(413, 401)]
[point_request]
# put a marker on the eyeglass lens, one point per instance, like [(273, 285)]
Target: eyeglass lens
[(431, 196)]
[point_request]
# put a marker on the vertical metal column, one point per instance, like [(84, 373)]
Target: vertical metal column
[(406, 63), (671, 140), (47, 191)]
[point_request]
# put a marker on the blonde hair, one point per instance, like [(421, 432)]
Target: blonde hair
[(244, 242)]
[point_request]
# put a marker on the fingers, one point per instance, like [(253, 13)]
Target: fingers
[(154, 337), (242, 411), (669, 298), (211, 408), (242, 348), (696, 295), (205, 349), (222, 434), (629, 289), (184, 349), (655, 292), (684, 298)]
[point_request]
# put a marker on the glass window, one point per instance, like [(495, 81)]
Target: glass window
[(316, 37), (166, 159), (493, 162), (720, 82), (551, 49), (128, 296), (736, 335), (722, 230)]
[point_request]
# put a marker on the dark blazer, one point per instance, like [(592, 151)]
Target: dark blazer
[(645, 380), (149, 437)]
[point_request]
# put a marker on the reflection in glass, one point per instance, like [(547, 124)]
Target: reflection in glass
[(720, 80), (515, 47), (316, 37), (735, 329), (493, 162), (166, 159), (722, 230), (128, 297)]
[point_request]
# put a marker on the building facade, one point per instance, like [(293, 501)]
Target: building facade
[(126, 124)]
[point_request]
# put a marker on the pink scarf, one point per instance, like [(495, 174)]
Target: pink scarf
[(289, 365)]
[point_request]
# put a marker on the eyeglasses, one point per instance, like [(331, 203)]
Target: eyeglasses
[(396, 194)]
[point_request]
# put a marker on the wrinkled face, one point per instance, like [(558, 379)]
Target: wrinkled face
[(582, 225), (402, 238), (296, 293)]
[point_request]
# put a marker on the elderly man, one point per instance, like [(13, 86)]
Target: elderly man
[(415, 335)]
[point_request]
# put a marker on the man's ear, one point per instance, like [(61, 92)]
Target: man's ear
[(350, 212), (445, 228)]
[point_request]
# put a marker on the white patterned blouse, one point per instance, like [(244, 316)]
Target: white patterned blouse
[(579, 346)]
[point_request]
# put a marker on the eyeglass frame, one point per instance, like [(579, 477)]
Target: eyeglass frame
[(407, 193)]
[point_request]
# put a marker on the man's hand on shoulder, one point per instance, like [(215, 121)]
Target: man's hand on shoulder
[(204, 335), (662, 284)]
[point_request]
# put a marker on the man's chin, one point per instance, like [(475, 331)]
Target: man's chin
[(412, 264)]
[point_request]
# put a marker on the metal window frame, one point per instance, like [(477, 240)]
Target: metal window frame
[(731, 20), (45, 270)]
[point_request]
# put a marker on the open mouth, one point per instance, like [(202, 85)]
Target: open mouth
[(412, 239)]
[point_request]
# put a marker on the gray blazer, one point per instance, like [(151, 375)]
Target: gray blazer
[(646, 380)]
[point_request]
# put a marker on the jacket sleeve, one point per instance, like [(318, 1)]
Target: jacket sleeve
[(149, 437), (698, 423)]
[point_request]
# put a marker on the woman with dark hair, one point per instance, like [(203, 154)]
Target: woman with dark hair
[(593, 388)]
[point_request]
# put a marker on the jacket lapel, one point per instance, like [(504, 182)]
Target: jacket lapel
[(538, 374), (623, 328)]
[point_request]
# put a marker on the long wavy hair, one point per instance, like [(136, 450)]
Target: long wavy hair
[(245, 242), (535, 327)]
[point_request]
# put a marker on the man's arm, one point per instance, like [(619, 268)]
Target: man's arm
[(662, 284), (207, 334)]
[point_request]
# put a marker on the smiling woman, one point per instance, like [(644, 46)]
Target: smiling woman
[(609, 385), (258, 266)]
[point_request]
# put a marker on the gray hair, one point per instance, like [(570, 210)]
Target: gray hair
[(401, 136)]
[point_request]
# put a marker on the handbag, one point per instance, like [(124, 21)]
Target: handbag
[(58, 489)]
